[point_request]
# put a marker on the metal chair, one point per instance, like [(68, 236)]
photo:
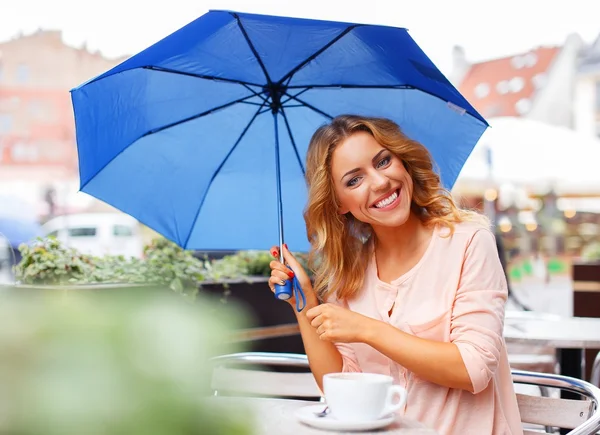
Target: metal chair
[(244, 374), (582, 416), (237, 374)]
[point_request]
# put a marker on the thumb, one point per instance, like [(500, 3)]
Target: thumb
[(289, 258)]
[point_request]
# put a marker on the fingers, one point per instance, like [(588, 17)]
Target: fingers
[(315, 312), (280, 268), (276, 280), (287, 256), (323, 330)]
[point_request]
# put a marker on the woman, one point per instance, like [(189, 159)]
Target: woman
[(413, 285)]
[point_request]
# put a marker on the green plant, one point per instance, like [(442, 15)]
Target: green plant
[(591, 252), (113, 363), (48, 261), (251, 263)]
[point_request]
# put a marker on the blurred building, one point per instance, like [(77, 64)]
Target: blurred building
[(558, 86), (587, 91), (537, 84), (37, 132)]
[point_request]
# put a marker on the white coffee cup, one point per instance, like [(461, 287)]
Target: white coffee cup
[(362, 396)]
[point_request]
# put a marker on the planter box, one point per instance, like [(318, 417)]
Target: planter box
[(254, 296), (251, 294), (586, 299)]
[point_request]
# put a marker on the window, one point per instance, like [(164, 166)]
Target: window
[(122, 231), (523, 106), (539, 80), (518, 62), (5, 123), (22, 73), (482, 90), (82, 232), (531, 59), (36, 108), (516, 84), (503, 87)]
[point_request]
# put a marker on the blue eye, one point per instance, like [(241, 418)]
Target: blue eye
[(383, 162), (352, 182)]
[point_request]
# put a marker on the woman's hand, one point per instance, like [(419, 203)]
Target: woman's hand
[(337, 324), (280, 273)]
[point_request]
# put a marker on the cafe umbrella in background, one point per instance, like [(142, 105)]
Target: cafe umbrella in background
[(18, 225), (202, 136)]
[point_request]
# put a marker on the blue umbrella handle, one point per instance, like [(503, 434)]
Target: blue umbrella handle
[(284, 292)]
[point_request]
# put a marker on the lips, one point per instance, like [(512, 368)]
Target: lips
[(386, 199)]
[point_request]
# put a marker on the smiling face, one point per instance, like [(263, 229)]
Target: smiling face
[(371, 182)]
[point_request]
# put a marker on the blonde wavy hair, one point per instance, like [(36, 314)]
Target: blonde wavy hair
[(339, 250)]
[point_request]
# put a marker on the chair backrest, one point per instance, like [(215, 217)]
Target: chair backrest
[(240, 374), (582, 416)]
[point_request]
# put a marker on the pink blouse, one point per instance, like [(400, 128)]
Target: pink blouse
[(455, 293)]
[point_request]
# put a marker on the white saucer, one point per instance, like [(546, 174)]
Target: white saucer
[(307, 416)]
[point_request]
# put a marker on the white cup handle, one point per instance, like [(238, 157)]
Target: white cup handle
[(390, 406)]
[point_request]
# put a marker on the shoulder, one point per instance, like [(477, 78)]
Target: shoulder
[(469, 234)]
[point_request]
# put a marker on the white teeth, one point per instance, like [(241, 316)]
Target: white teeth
[(387, 201)]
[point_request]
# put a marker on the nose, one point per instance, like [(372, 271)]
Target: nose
[(379, 182)]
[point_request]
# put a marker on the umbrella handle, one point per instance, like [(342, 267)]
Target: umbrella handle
[(284, 292)]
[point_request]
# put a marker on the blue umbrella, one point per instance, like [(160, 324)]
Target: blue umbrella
[(202, 136)]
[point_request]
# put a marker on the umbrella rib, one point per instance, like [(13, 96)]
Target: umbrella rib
[(349, 86), (296, 95), (289, 130), (310, 106), (237, 142), (208, 112), (200, 115), (252, 48), (259, 95), (199, 76), (318, 52), (252, 103)]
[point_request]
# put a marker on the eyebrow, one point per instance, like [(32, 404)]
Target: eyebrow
[(374, 159)]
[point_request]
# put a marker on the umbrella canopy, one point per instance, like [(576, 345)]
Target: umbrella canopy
[(534, 155), (202, 136)]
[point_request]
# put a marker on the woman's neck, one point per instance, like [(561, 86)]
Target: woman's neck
[(401, 241)]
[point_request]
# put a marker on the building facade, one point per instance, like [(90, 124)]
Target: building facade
[(587, 91), (537, 84), (37, 131)]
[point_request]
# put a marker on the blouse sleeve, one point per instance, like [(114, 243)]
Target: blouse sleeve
[(478, 312), (349, 360)]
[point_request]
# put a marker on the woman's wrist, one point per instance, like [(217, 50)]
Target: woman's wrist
[(369, 330)]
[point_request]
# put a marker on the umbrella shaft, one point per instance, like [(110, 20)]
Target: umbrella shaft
[(278, 180)]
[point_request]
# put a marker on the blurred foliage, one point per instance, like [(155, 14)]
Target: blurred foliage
[(48, 261), (591, 252), (252, 263), (112, 363)]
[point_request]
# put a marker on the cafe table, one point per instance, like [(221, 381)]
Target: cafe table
[(568, 335), (271, 416)]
